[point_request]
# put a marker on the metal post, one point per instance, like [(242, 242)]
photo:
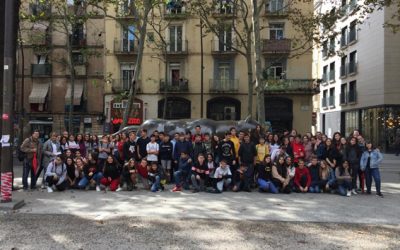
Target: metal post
[(10, 40)]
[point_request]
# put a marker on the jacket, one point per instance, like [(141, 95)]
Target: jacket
[(375, 160), (182, 146), (247, 153), (48, 152), (57, 170), (299, 174), (352, 154), (27, 147)]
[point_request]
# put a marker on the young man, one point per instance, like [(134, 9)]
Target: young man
[(182, 175), (247, 157), (33, 149), (152, 149), (298, 149), (223, 176), (182, 146), (197, 131), (262, 150), (51, 149), (227, 151), (141, 144), (166, 156), (235, 140), (143, 173), (129, 147), (198, 147), (302, 178)]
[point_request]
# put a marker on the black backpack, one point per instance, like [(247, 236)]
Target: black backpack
[(20, 154)]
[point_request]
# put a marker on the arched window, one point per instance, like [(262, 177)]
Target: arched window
[(177, 108), (223, 108), (279, 111)]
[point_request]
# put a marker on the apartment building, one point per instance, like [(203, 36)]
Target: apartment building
[(359, 72), (44, 77), (172, 78)]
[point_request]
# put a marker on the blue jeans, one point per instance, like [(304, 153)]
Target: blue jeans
[(85, 181), (267, 186), (373, 173), (25, 174), (156, 185), (344, 187), (315, 188), (182, 178)]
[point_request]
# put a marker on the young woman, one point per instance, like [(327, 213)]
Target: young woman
[(56, 174), (63, 142), (336, 140), (111, 174), (94, 140), (369, 164), (308, 149), (81, 144), (71, 144), (90, 172), (215, 146), (88, 144), (352, 155), (105, 149), (72, 173), (264, 179), (68, 153), (280, 174), (274, 144), (128, 176), (212, 166), (200, 174), (344, 179), (327, 176), (331, 153)]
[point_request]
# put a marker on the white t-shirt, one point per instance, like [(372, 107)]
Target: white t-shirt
[(222, 172), (152, 147)]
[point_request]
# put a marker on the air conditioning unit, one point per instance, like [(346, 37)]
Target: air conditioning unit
[(229, 113)]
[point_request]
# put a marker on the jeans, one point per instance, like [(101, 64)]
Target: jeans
[(373, 173), (156, 184), (182, 178), (354, 174), (345, 186), (197, 182), (222, 183), (314, 188), (303, 183), (267, 186), (25, 173), (60, 187), (85, 181)]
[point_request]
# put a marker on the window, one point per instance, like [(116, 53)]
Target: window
[(126, 8), (39, 8), (78, 35), (150, 37), (276, 31), (325, 99), (224, 7), (177, 108), (174, 73), (78, 58), (353, 92), (325, 73), (343, 94), (128, 39), (275, 6), (175, 38), (225, 39), (127, 72), (353, 62), (276, 69), (343, 39), (332, 45), (332, 72), (332, 97), (343, 71), (353, 32), (325, 49)]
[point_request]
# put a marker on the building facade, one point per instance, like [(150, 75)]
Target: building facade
[(359, 72)]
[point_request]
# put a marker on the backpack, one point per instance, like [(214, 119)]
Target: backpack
[(20, 154)]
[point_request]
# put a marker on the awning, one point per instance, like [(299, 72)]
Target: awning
[(78, 91), (39, 92)]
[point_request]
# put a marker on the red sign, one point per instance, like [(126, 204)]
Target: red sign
[(131, 121), (5, 116)]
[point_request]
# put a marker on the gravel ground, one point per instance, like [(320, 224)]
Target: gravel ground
[(30, 231)]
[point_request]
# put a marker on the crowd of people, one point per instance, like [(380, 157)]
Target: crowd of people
[(202, 162)]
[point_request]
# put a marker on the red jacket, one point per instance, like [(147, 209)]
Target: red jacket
[(298, 151), (142, 171), (299, 173)]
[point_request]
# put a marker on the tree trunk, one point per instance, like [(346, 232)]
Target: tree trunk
[(72, 70), (164, 114), (250, 83), (258, 69), (138, 66), (21, 121)]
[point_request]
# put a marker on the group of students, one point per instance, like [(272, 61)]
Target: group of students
[(241, 161)]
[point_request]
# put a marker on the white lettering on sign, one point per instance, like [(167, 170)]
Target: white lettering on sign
[(5, 67)]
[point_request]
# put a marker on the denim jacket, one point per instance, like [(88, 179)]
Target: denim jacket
[(376, 159)]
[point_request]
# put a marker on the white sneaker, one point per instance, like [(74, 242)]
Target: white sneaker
[(348, 193), (118, 189), (98, 188), (49, 190), (354, 192)]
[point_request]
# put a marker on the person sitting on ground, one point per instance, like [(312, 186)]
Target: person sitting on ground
[(280, 174), (212, 166), (314, 169), (200, 174), (155, 176), (56, 174), (182, 175), (128, 176), (72, 173), (327, 177), (264, 180), (223, 176), (292, 170), (111, 174), (344, 179), (242, 179), (302, 178), (91, 172), (142, 170)]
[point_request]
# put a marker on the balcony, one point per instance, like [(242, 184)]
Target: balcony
[(324, 52), (343, 98), (352, 35), (352, 68), (324, 102), (177, 48), (294, 86), (222, 49), (125, 12), (352, 98), (223, 10), (332, 76), (126, 47), (281, 46), (122, 85), (41, 11), (181, 86), (276, 11), (343, 71), (41, 70), (77, 42), (224, 85), (175, 12), (80, 70), (343, 10), (331, 101)]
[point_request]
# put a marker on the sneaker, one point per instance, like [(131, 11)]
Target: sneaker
[(354, 192), (119, 189), (380, 195), (98, 188), (368, 192), (348, 193), (176, 189), (43, 186), (50, 190)]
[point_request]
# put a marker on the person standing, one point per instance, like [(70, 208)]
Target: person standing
[(352, 155), (152, 148), (51, 149), (369, 163), (142, 144), (166, 148), (248, 157), (129, 147), (33, 150)]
